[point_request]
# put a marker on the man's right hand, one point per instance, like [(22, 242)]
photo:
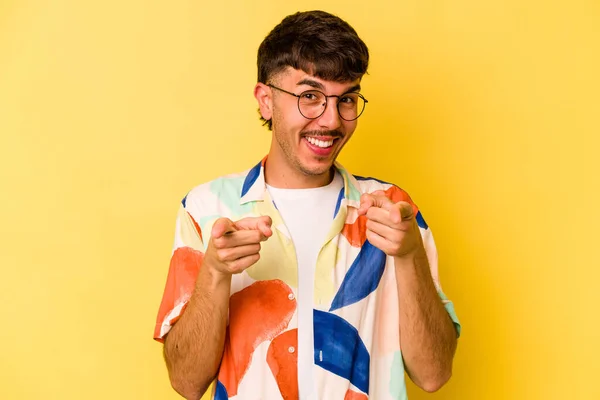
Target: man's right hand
[(235, 246)]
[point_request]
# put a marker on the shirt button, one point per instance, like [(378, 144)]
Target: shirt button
[(291, 349), (291, 296)]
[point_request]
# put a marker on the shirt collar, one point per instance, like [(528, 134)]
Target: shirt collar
[(254, 187)]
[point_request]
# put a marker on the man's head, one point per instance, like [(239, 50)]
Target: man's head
[(310, 51), (317, 43)]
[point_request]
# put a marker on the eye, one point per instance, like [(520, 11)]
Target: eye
[(309, 96), (348, 99)]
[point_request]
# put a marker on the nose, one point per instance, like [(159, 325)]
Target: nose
[(330, 119)]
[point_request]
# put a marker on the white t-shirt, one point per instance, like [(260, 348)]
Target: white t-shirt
[(308, 215)]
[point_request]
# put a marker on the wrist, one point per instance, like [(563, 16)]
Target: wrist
[(413, 258), (212, 277)]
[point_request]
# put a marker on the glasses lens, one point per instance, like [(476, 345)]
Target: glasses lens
[(312, 103), (350, 106)]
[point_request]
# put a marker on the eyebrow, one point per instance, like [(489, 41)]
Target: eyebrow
[(319, 85), (355, 88)]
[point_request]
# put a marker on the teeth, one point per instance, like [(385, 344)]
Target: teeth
[(319, 143)]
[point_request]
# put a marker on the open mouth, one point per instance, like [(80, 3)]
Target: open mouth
[(323, 144)]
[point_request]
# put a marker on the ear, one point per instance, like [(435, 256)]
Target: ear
[(262, 93)]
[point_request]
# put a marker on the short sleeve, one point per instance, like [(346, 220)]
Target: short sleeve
[(432, 257), (188, 253)]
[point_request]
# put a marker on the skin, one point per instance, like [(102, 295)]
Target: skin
[(194, 346), (291, 163), (427, 334)]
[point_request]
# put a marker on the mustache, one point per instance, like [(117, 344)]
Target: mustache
[(333, 133)]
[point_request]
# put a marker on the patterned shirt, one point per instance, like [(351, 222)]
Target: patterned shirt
[(355, 318)]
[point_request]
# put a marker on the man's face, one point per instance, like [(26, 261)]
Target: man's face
[(309, 146)]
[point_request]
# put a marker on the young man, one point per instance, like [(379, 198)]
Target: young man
[(296, 279)]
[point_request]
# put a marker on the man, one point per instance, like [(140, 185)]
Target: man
[(296, 279)]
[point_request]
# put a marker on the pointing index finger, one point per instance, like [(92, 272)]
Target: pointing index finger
[(406, 210), (262, 224)]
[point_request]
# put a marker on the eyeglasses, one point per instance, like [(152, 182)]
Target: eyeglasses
[(312, 103)]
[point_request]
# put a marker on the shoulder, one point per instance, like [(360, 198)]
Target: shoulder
[(226, 189)]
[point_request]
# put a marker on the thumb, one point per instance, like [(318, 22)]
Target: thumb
[(221, 227)]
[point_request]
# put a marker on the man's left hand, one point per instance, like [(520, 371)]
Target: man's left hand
[(391, 227)]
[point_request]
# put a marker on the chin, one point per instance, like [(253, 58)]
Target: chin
[(316, 170)]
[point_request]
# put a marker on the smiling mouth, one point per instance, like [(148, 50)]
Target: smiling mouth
[(320, 143)]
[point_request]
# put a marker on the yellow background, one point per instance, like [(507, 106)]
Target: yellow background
[(488, 113)]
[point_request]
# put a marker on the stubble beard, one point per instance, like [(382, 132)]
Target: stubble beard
[(287, 141), (293, 159)]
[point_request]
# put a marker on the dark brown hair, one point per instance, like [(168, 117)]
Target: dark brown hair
[(317, 43)]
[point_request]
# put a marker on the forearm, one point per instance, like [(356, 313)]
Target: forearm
[(194, 346), (427, 334)]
